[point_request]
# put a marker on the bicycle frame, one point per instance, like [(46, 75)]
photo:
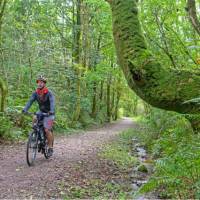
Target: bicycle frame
[(38, 138)]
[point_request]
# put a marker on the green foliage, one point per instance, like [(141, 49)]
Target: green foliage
[(97, 190), (5, 127), (39, 38), (171, 141), (119, 151), (168, 34)]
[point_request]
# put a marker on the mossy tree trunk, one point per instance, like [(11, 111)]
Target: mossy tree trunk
[(3, 87), (96, 83), (158, 85), (76, 58), (108, 100), (117, 105), (3, 90), (2, 10)]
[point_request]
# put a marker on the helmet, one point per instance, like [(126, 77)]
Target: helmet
[(41, 78)]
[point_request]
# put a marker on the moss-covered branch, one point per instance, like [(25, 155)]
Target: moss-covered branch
[(158, 85)]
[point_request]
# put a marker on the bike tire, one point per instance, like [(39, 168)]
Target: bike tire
[(46, 148), (31, 149)]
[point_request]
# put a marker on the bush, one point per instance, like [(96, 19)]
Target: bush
[(176, 149), (5, 127)]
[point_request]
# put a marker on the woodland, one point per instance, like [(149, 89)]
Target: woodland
[(106, 60)]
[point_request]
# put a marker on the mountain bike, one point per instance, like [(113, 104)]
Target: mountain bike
[(37, 140)]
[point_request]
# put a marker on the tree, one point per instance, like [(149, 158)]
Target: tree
[(76, 58), (160, 86), (2, 10), (191, 8), (3, 87), (3, 91)]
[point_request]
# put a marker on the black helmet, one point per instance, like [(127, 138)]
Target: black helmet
[(41, 78)]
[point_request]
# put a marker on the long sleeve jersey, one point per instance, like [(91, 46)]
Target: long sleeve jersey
[(46, 102)]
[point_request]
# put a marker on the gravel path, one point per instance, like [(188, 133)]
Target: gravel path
[(18, 181)]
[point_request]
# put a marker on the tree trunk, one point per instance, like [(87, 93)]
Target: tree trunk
[(2, 10), (158, 85), (95, 83), (101, 95), (108, 101), (3, 89), (94, 101), (76, 59), (117, 105), (113, 101), (135, 105), (191, 8)]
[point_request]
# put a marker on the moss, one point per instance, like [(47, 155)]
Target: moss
[(158, 85)]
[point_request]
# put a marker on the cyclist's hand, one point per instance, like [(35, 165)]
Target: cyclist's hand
[(50, 113)]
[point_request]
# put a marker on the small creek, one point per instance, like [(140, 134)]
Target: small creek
[(142, 172)]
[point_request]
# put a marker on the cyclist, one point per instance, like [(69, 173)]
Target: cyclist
[(46, 102)]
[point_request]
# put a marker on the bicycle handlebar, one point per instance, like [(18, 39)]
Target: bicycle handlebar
[(34, 113)]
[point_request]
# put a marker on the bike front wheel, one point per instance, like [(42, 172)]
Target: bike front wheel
[(31, 149)]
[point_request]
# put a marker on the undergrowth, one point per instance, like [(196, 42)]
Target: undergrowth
[(176, 150)]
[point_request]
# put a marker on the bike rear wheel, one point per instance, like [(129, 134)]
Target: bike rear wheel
[(45, 150), (31, 149)]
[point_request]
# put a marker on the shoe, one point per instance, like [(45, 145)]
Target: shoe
[(50, 152)]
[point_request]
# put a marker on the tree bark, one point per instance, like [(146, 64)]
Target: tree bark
[(101, 95), (158, 85), (117, 105), (113, 101), (3, 89), (108, 103), (76, 59), (2, 10), (94, 101), (95, 83), (191, 8)]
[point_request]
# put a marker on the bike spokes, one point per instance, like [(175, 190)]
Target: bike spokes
[(31, 150)]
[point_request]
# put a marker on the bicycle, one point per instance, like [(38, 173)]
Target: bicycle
[(37, 140)]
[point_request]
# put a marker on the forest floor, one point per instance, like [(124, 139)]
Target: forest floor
[(74, 161)]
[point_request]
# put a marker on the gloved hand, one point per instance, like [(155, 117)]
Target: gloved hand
[(51, 113)]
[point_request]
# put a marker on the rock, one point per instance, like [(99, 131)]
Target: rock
[(138, 145), (134, 140), (139, 183), (142, 168), (134, 186), (141, 152), (150, 167)]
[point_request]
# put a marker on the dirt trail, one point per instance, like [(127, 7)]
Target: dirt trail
[(17, 180)]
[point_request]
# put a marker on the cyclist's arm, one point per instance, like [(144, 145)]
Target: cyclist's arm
[(30, 102), (52, 102)]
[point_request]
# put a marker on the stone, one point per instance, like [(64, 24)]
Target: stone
[(142, 168)]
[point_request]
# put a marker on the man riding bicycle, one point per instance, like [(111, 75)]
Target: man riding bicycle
[(46, 102)]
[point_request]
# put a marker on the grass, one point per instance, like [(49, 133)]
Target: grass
[(97, 190), (120, 151)]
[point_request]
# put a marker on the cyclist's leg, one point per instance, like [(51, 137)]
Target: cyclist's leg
[(48, 123), (50, 137)]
